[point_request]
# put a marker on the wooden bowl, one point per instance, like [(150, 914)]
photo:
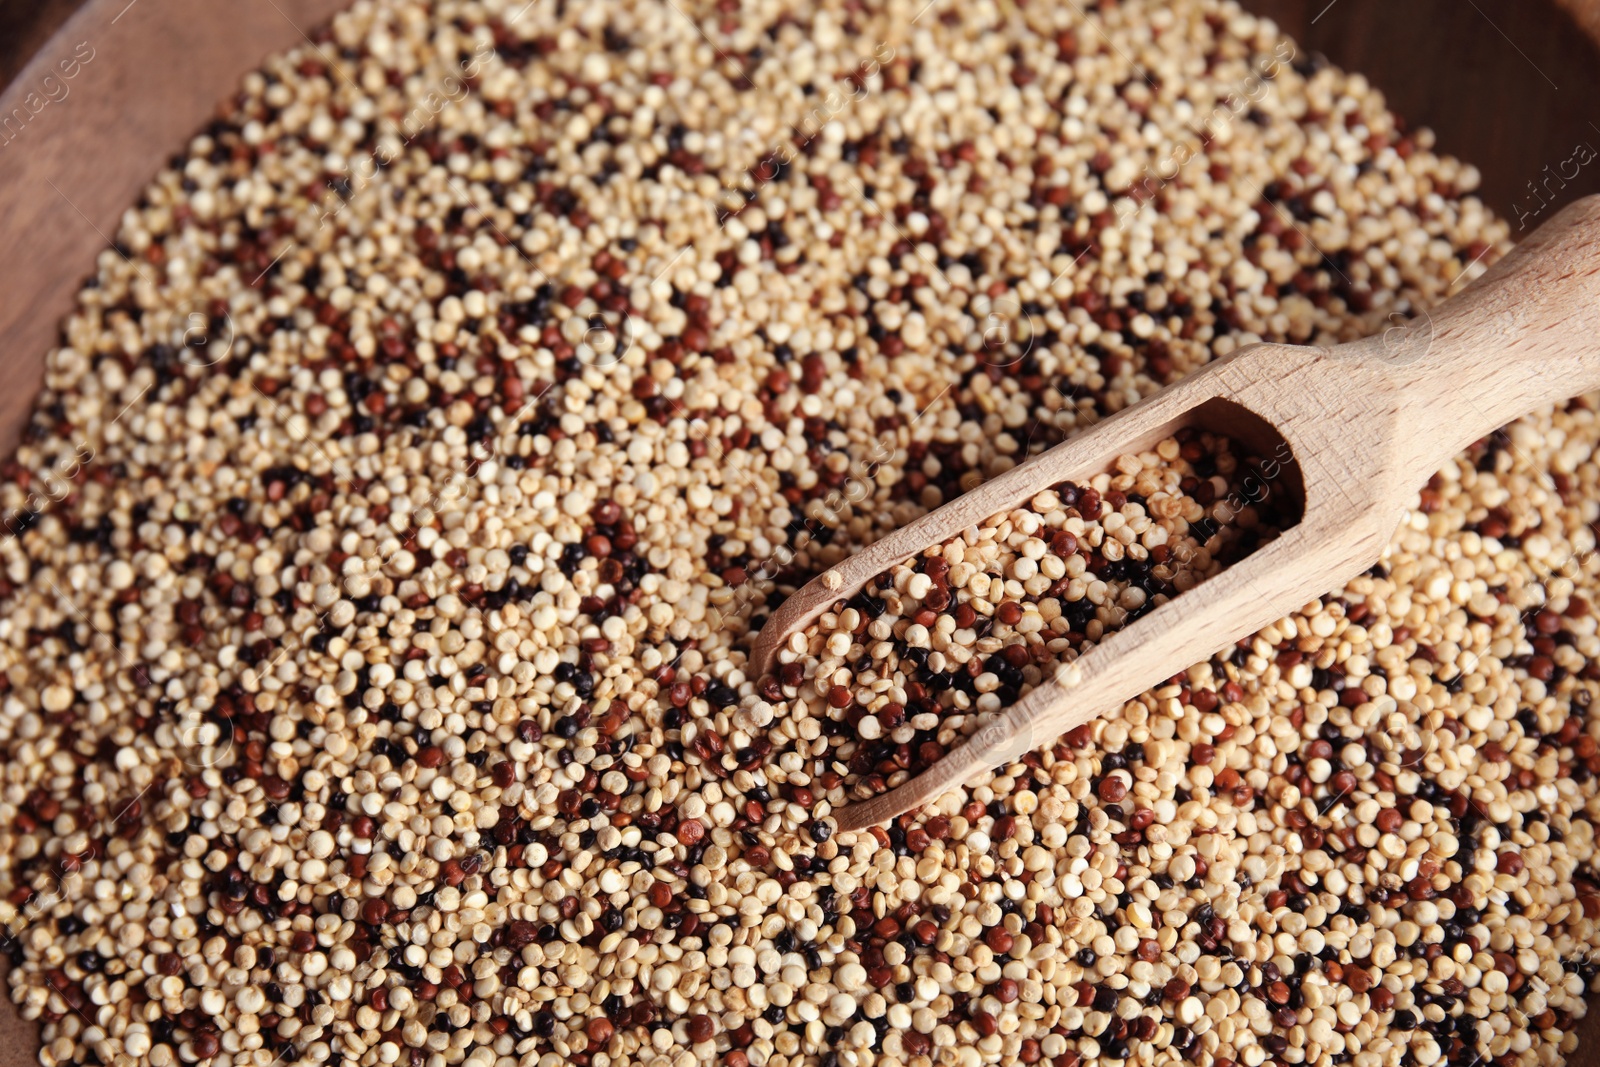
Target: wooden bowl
[(94, 110)]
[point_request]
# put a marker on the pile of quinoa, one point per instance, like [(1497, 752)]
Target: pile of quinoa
[(941, 641), (381, 560)]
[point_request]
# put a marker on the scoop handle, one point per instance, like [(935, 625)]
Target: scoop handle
[(1524, 335)]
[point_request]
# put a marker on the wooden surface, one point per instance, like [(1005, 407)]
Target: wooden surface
[(1510, 85), (25, 25), (1585, 15)]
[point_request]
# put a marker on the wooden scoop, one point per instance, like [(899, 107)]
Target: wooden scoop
[(1366, 425)]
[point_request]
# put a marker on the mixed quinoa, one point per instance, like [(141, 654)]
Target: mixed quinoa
[(382, 556), (935, 644)]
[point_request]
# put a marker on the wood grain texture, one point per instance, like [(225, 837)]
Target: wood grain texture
[(1366, 425), (25, 25), (1506, 83)]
